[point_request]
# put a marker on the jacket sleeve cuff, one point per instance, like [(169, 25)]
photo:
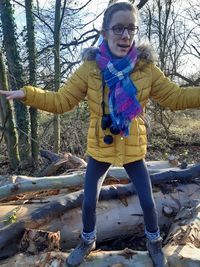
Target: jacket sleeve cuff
[(29, 94)]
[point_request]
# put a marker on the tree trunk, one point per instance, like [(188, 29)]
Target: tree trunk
[(181, 249), (32, 77), (25, 184), (118, 213), (7, 118), (15, 77), (57, 24)]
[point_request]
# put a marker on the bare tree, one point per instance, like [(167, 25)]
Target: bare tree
[(31, 46), (8, 123), (15, 76), (58, 21), (193, 13), (168, 29)]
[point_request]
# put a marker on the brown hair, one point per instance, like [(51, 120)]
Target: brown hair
[(113, 8)]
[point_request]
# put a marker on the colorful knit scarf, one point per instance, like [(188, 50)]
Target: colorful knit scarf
[(122, 101)]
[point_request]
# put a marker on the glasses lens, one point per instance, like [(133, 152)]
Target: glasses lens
[(118, 29)]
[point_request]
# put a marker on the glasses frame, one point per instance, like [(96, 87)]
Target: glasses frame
[(136, 28)]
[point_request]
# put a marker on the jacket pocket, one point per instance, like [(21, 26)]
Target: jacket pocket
[(97, 131), (147, 122)]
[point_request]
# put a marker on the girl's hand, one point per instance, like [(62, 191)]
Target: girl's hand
[(10, 95)]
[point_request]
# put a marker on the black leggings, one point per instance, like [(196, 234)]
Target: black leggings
[(138, 173)]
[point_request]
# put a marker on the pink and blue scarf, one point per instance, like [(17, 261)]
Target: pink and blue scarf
[(122, 101)]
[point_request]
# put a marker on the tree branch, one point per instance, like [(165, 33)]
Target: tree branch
[(141, 3), (35, 16), (78, 9), (196, 50), (189, 81), (86, 24), (62, 16), (74, 42)]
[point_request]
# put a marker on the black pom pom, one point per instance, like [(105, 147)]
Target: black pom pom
[(114, 131), (108, 139), (106, 121)]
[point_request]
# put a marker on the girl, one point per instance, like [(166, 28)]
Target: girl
[(118, 78)]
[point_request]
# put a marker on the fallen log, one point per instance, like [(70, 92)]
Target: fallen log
[(183, 241), (181, 250), (122, 216), (51, 156), (67, 161), (24, 185), (118, 213)]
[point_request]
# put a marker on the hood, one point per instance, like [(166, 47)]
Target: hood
[(145, 52)]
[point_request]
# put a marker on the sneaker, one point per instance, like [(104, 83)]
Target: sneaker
[(156, 253), (77, 256)]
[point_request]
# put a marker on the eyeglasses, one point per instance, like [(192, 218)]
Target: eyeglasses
[(120, 28)]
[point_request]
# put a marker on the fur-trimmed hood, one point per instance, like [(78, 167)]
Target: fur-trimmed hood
[(145, 51)]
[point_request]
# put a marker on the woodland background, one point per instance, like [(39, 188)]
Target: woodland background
[(40, 44)]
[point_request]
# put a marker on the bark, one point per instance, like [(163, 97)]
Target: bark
[(56, 124), (32, 77), (7, 118), (24, 184)]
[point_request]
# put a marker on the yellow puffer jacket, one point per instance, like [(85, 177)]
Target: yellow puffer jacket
[(86, 82)]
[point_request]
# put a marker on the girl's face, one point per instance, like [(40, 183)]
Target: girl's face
[(121, 32)]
